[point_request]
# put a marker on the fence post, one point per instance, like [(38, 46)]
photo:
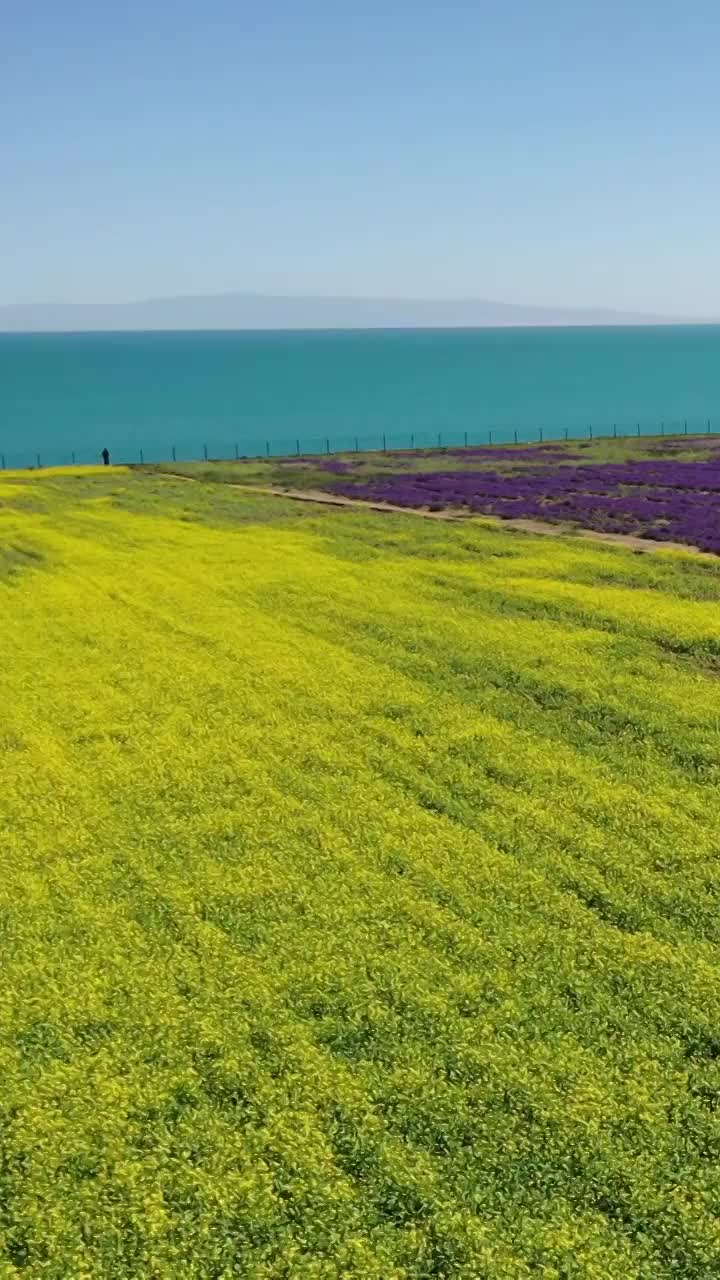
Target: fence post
[(515, 435), (327, 446), (590, 431), (541, 435), (489, 437), (466, 439)]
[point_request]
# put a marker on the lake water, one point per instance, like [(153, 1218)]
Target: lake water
[(65, 396)]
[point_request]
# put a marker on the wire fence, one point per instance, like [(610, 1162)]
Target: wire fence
[(255, 446)]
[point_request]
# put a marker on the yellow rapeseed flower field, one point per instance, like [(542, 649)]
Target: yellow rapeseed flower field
[(359, 894)]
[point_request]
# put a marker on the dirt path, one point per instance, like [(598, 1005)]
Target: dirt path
[(338, 500), (630, 540)]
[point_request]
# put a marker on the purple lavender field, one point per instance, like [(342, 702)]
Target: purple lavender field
[(667, 499)]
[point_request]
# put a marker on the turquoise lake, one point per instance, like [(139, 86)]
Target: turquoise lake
[(65, 396)]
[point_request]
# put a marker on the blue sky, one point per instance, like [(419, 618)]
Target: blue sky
[(560, 152)]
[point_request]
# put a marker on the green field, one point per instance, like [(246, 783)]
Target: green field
[(359, 894)]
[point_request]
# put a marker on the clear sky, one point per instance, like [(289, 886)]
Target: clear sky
[(557, 152)]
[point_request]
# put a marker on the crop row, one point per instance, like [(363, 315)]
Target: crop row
[(666, 500)]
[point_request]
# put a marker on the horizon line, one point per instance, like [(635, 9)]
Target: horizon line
[(374, 328), (236, 312)]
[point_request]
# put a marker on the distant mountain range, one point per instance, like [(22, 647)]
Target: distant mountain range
[(260, 311)]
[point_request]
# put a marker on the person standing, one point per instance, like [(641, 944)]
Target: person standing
[(105, 455)]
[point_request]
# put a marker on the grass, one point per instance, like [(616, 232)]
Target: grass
[(308, 472), (359, 894)]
